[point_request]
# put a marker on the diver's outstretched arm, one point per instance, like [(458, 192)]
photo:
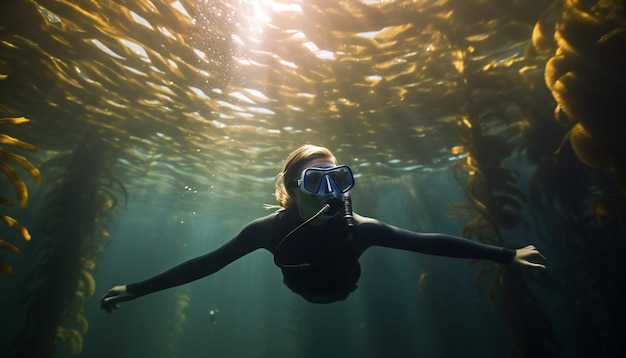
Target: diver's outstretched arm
[(370, 232), (252, 237)]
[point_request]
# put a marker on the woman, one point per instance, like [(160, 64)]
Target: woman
[(315, 238)]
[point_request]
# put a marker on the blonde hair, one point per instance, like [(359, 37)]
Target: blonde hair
[(293, 167)]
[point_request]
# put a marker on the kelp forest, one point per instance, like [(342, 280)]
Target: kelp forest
[(131, 127)]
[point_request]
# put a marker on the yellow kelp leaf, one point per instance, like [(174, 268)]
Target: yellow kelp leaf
[(20, 187), (81, 296), (466, 122), (182, 304), (604, 206), (10, 247), (106, 235), (7, 139), (463, 206), (458, 149), (22, 161), (3, 76), (13, 120), (543, 38), (472, 165), (6, 269), (588, 148), (108, 204), (455, 214), (80, 319), (71, 338), (556, 67), (76, 342), (89, 264), (422, 280), (5, 201), (601, 206), (89, 282), (16, 225)]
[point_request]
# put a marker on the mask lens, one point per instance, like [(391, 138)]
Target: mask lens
[(342, 178), (312, 179)]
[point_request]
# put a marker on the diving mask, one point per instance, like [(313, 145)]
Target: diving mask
[(321, 181)]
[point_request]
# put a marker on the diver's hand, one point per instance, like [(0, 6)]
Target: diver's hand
[(529, 256), (111, 300)]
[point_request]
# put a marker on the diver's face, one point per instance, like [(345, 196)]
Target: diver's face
[(308, 205)]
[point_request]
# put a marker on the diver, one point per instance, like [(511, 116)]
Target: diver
[(316, 239)]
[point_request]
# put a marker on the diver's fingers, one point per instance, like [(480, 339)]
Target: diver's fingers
[(536, 265), (525, 254), (105, 304), (536, 254), (112, 293), (534, 251), (109, 301), (531, 251)]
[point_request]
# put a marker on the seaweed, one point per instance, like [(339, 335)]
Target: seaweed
[(584, 75), (6, 158), (494, 206), (579, 177), (495, 202), (81, 196)]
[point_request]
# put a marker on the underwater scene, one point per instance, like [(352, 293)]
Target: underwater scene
[(136, 135)]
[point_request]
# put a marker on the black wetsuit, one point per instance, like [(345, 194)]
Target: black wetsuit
[(319, 262)]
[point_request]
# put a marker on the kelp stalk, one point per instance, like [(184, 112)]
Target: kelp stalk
[(78, 199)]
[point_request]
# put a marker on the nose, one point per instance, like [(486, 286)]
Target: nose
[(331, 188)]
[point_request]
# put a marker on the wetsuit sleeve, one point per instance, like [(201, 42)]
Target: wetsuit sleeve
[(252, 237), (375, 233)]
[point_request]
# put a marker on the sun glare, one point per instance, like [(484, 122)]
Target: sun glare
[(261, 12)]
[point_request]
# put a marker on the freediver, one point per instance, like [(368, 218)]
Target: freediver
[(315, 238)]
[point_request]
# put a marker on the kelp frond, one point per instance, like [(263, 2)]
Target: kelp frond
[(8, 160)]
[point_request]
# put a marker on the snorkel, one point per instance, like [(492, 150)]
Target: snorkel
[(347, 211), (342, 203), (337, 201)]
